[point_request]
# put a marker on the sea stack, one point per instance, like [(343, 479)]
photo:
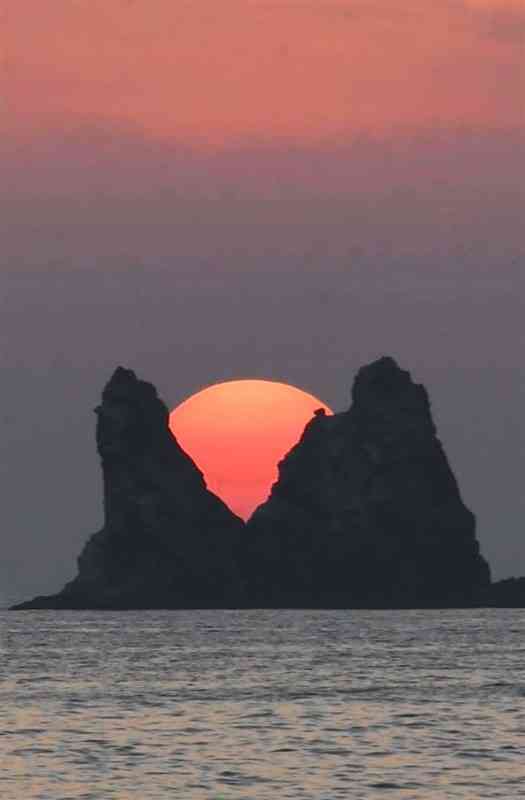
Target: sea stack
[(167, 542), (366, 511)]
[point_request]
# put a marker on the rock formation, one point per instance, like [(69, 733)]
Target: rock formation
[(507, 593), (366, 511), (167, 541)]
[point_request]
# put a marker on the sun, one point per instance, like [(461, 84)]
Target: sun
[(238, 431)]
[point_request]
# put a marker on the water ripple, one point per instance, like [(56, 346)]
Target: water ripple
[(260, 705)]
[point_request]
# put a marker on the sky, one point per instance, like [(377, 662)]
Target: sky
[(282, 189)]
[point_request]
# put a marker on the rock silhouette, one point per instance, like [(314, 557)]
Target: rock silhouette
[(507, 593), (366, 510), (167, 541), (366, 513)]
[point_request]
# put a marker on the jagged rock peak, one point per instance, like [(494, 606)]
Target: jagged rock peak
[(131, 418), (166, 541), (388, 405), (125, 389), (124, 383), (381, 376), (383, 382), (366, 509)]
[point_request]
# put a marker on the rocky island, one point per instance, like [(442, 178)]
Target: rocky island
[(366, 513), (167, 541)]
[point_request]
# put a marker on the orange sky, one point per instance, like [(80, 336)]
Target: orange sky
[(207, 71)]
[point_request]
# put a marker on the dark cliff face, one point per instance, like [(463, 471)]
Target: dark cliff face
[(366, 510), (167, 541), (365, 513)]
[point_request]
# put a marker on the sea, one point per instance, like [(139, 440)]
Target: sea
[(262, 705)]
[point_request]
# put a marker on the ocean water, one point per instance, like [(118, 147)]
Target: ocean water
[(262, 704)]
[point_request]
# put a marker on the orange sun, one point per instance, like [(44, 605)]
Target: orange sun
[(237, 432)]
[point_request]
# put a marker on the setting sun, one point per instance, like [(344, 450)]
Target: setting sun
[(238, 431)]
